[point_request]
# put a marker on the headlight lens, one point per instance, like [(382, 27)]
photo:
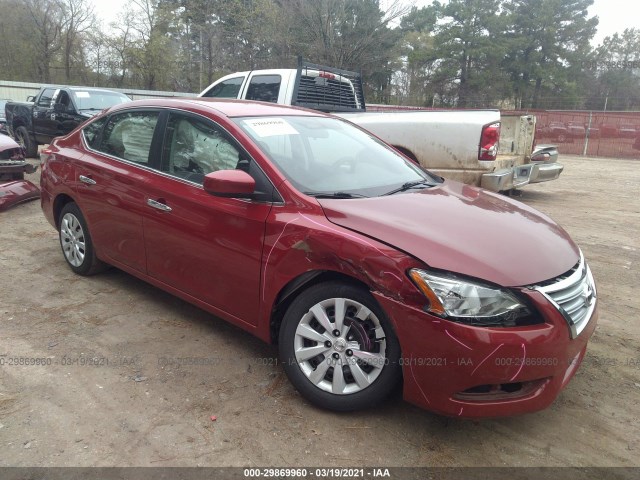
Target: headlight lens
[(469, 302)]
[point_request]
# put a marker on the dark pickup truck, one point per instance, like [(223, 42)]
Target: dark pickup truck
[(55, 111)]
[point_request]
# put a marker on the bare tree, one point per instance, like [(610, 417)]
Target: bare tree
[(120, 46), (77, 18), (47, 20), (348, 33)]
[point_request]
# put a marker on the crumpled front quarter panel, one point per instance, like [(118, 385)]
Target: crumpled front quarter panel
[(297, 242)]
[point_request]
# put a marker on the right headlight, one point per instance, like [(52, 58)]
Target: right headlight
[(472, 303)]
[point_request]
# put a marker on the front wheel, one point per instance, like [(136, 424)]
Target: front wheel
[(338, 348), (24, 140), (76, 243)]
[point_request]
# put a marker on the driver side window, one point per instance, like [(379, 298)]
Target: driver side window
[(46, 97)]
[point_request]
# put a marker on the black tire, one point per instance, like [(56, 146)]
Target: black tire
[(24, 139), (75, 241), (312, 377)]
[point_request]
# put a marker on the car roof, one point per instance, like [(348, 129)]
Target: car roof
[(82, 89), (91, 89), (227, 107)]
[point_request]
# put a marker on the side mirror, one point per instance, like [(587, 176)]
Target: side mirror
[(31, 98), (230, 184)]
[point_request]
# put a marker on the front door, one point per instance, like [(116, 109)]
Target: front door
[(206, 246), (44, 127)]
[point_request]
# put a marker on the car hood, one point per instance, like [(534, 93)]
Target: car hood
[(463, 229), (7, 143)]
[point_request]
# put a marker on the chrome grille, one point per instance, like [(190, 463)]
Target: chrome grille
[(574, 295)]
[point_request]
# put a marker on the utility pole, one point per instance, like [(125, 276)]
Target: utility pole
[(586, 139), (201, 71)]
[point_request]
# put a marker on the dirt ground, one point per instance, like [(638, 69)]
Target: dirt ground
[(114, 394)]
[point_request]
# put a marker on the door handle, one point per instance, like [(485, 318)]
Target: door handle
[(87, 180), (158, 205)]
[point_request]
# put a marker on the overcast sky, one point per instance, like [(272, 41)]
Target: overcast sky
[(614, 15)]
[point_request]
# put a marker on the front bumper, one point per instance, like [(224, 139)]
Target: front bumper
[(15, 192), (463, 371), (14, 189)]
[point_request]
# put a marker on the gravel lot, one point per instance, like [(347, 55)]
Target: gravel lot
[(114, 394)]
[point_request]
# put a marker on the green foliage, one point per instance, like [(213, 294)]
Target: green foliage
[(615, 72), (18, 53), (469, 46), (462, 53), (547, 42)]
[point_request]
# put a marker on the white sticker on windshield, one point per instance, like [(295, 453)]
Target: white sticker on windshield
[(269, 127), (83, 95)]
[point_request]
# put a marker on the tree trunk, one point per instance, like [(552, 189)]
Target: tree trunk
[(536, 93)]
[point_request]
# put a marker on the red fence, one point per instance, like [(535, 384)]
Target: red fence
[(597, 134)]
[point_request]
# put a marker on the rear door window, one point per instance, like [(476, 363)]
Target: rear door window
[(129, 136), (264, 88), (92, 132)]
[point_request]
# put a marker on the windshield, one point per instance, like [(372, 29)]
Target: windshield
[(328, 156), (97, 99)]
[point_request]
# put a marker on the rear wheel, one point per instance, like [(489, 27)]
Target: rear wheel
[(76, 243), (338, 348), (24, 140)]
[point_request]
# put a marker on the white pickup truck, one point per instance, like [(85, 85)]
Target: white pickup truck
[(473, 146)]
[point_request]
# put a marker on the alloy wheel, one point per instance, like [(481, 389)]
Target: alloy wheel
[(340, 346), (72, 239)]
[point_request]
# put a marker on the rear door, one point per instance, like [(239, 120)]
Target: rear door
[(110, 183), (209, 247)]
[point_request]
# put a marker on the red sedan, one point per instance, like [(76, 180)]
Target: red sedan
[(309, 232)]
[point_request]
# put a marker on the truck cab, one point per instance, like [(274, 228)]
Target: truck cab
[(325, 89), (476, 147), (56, 111)]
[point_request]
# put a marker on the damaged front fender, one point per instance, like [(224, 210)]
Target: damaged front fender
[(299, 246)]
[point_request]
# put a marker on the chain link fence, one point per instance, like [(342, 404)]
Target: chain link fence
[(595, 134)]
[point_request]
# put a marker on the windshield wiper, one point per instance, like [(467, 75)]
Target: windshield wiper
[(92, 109), (410, 185), (334, 195)]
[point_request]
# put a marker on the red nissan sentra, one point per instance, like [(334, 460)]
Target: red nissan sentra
[(309, 232)]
